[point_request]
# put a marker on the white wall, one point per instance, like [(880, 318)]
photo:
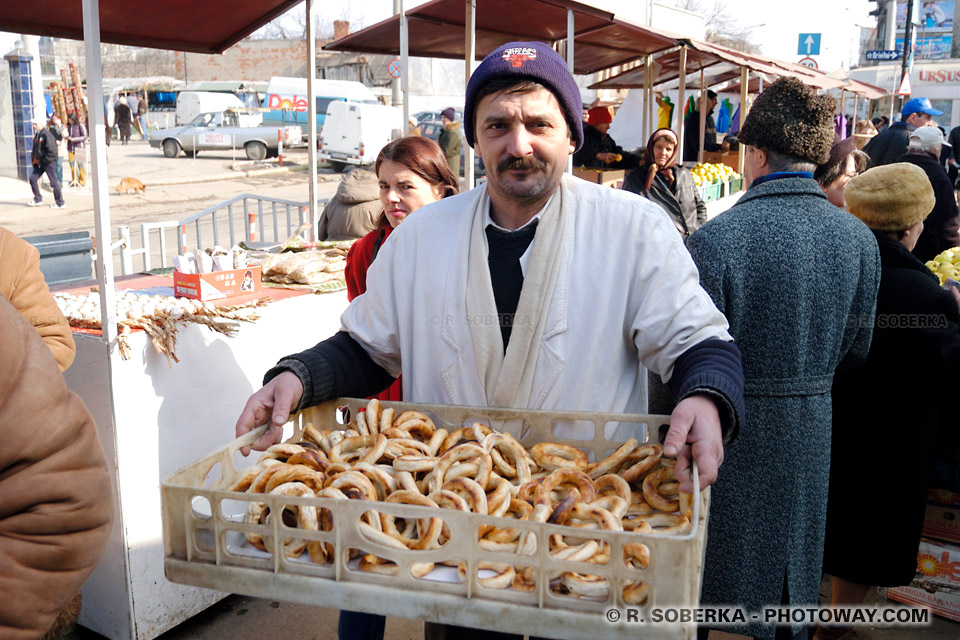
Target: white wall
[(8, 152)]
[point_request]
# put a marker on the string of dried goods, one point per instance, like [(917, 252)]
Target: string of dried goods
[(161, 317)]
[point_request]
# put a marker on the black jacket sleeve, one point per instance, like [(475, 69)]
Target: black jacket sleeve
[(713, 368), (336, 367)]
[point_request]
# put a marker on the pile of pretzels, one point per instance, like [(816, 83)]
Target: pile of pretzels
[(405, 458)]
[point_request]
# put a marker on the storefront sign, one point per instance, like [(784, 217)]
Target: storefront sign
[(939, 76)]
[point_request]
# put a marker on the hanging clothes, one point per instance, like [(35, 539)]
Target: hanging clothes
[(840, 126), (723, 117), (735, 122), (691, 106), (665, 113)]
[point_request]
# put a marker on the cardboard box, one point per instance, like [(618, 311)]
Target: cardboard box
[(599, 176), (216, 285), (938, 562), (729, 158), (942, 517)]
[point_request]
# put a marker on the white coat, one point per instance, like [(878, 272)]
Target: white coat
[(627, 297)]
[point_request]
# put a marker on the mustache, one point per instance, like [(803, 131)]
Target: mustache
[(520, 164)]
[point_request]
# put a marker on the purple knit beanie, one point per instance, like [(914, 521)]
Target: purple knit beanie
[(535, 61)]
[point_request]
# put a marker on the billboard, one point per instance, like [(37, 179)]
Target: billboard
[(934, 28)]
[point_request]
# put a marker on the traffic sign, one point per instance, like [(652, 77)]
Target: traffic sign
[(809, 44), (810, 63), (394, 69), (883, 55), (905, 88)]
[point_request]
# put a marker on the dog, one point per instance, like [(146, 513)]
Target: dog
[(131, 183)]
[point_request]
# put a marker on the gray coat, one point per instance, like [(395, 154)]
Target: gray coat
[(797, 279)]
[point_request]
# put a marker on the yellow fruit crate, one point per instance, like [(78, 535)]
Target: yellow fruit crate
[(710, 192), (203, 537)]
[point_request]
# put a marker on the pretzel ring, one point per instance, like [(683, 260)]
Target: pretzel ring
[(249, 475), (295, 473), (406, 482), (612, 462), (611, 482), (463, 452), (614, 504), (354, 485), (406, 416), (565, 476), (598, 516), (586, 585), (430, 532), (525, 579), (256, 514), (281, 451), (527, 491), (650, 486), (552, 456), (373, 564), (313, 459), (436, 441), (386, 418), (497, 442), (504, 577), (373, 416), (306, 516), (417, 427), (259, 483), (498, 500), (376, 444), (469, 490), (447, 499), (647, 456), (636, 555), (382, 481), (311, 434), (465, 433), (664, 524), (564, 507), (579, 553), (634, 592)]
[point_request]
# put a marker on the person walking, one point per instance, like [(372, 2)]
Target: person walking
[(450, 140), (521, 250), (768, 508), (891, 143), (942, 227), (876, 400), (123, 118), (142, 115), (43, 157), (77, 150), (662, 180)]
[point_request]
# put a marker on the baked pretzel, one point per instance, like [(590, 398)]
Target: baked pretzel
[(634, 592), (582, 481), (354, 485), (249, 475), (640, 462), (295, 473), (470, 491), (612, 462), (311, 458), (368, 448), (283, 450), (467, 451), (612, 483), (636, 555), (429, 532), (586, 585), (651, 495), (552, 456)]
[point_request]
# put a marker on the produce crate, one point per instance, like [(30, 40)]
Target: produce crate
[(203, 542), (711, 192), (607, 178), (735, 185)]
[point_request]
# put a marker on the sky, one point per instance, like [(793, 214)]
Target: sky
[(780, 23)]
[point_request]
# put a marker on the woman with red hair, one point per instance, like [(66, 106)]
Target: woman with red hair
[(663, 180)]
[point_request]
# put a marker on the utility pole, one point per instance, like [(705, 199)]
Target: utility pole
[(908, 37), (395, 85)]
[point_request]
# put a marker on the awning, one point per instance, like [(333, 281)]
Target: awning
[(436, 30), (182, 25)]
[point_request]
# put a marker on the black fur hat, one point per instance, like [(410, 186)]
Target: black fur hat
[(789, 117)]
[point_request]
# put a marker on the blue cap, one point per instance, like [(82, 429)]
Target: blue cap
[(918, 105)]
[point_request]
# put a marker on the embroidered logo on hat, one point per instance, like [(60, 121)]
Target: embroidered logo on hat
[(519, 55)]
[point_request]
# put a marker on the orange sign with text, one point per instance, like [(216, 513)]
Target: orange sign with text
[(217, 284)]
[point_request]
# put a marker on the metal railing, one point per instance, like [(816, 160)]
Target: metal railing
[(246, 217)]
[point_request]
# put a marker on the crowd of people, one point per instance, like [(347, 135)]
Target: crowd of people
[(760, 364)]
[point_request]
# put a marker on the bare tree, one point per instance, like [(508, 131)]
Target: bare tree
[(292, 25), (722, 28)]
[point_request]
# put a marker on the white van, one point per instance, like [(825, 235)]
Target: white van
[(286, 99), (190, 104), (354, 133)]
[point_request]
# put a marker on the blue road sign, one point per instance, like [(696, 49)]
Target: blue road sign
[(809, 44), (881, 54)]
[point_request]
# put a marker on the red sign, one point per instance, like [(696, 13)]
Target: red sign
[(394, 69), (808, 62), (295, 103)]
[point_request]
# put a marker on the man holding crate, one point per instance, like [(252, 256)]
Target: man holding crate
[(536, 290)]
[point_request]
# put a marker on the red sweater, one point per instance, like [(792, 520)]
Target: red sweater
[(359, 259)]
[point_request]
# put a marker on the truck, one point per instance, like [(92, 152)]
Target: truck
[(286, 99), (221, 131), (190, 104), (354, 133)]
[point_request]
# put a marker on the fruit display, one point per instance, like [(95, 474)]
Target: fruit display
[(707, 173), (946, 265)]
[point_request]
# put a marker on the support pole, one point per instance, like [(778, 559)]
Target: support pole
[(405, 69), (853, 127), (470, 54), (744, 83), (101, 198), (843, 98), (648, 101), (395, 83), (312, 117), (570, 37), (681, 97), (703, 116)]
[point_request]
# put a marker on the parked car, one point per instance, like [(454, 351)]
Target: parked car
[(424, 116), (354, 133), (433, 128), (221, 130)]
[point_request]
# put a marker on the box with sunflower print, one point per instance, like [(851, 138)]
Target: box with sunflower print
[(936, 581), (941, 519)]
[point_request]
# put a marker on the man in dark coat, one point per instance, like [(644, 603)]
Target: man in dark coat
[(44, 160), (916, 329), (691, 128), (940, 231), (123, 118), (787, 269), (600, 150), (450, 140), (890, 144)]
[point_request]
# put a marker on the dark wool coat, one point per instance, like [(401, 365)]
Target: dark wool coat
[(691, 141), (450, 142), (940, 227), (682, 202), (788, 269), (595, 142), (44, 150), (916, 340), (889, 144)]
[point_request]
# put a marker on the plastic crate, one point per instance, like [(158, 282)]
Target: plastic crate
[(198, 529), (735, 185), (711, 192)]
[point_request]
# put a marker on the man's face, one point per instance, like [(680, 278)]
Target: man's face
[(711, 103), (920, 120), (524, 141)]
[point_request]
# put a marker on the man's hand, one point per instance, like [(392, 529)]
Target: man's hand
[(273, 402), (695, 422), (607, 157), (725, 146)]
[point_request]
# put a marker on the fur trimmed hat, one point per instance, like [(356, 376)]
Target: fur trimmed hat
[(789, 117), (891, 197), (535, 61)]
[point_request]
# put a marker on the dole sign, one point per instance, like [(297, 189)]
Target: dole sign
[(292, 103)]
